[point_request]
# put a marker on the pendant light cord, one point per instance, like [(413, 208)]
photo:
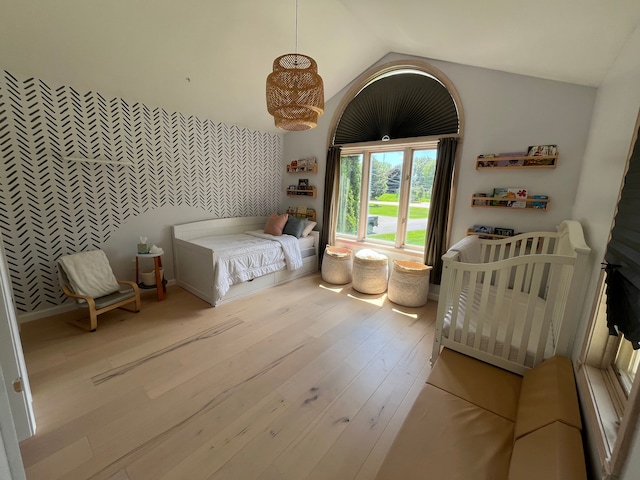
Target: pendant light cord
[(296, 27)]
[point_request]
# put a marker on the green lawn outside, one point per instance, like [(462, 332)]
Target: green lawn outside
[(392, 211), (415, 237)]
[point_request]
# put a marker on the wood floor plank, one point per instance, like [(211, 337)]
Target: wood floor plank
[(59, 464), (374, 460), (348, 453), (315, 393), (302, 381), (299, 460), (214, 453), (47, 442)]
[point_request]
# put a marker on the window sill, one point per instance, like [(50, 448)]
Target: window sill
[(603, 402), (395, 253)]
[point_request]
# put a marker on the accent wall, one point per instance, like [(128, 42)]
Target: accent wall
[(167, 166)]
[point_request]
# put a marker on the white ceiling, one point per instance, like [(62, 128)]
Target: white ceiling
[(211, 57)]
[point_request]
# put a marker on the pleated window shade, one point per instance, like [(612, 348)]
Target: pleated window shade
[(624, 245), (623, 256), (404, 105)]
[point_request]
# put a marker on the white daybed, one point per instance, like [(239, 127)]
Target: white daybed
[(195, 257), (513, 302)]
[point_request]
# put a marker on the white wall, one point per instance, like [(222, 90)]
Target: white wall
[(503, 112), (614, 118)]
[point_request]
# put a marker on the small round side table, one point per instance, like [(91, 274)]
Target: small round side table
[(160, 287)]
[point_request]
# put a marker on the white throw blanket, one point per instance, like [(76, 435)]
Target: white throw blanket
[(249, 260), (88, 273), (290, 248)]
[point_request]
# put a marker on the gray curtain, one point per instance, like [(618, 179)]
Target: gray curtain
[(330, 183), (437, 225)]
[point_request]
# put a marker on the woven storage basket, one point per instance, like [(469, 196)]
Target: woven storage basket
[(409, 283), (370, 272), (337, 265)]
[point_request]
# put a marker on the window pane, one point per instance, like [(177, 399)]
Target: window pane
[(350, 188), (384, 195), (423, 170)]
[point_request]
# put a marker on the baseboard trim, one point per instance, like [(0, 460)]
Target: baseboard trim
[(60, 309), (44, 313)]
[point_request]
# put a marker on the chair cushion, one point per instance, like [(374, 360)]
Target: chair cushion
[(89, 273), (112, 298), (445, 437), (553, 452), (477, 382), (548, 394)]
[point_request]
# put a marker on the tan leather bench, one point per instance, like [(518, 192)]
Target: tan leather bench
[(476, 421)]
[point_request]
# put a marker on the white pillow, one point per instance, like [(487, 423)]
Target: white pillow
[(308, 227)]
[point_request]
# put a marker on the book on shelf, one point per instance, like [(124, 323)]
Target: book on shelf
[(541, 203), (505, 232), (483, 229), (498, 194), (479, 201), (517, 197)]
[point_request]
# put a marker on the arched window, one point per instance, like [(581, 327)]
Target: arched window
[(390, 131)]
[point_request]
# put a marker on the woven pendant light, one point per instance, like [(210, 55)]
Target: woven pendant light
[(295, 92)]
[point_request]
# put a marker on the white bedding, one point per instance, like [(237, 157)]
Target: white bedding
[(244, 256), (501, 318)]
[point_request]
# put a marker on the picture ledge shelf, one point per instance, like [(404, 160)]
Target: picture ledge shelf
[(95, 160)]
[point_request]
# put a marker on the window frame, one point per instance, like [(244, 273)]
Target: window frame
[(408, 147), (607, 407)]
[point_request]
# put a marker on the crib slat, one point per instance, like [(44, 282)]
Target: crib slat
[(549, 314), (558, 296), (483, 253), (513, 310), (522, 250), (532, 245), (503, 276), (483, 313), (468, 311), (458, 274), (536, 274), (494, 253)]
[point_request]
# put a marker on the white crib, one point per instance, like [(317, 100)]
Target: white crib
[(513, 302)]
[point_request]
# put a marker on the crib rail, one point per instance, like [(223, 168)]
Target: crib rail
[(506, 312), (518, 245)]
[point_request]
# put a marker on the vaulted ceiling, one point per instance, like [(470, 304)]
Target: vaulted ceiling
[(211, 57)]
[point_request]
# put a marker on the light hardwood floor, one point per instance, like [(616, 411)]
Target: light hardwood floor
[(302, 381)]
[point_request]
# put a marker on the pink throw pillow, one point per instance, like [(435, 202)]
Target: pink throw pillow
[(275, 224)]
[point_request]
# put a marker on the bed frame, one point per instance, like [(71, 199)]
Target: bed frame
[(532, 285), (194, 264)]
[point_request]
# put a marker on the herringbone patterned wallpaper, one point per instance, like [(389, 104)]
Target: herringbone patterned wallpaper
[(51, 207)]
